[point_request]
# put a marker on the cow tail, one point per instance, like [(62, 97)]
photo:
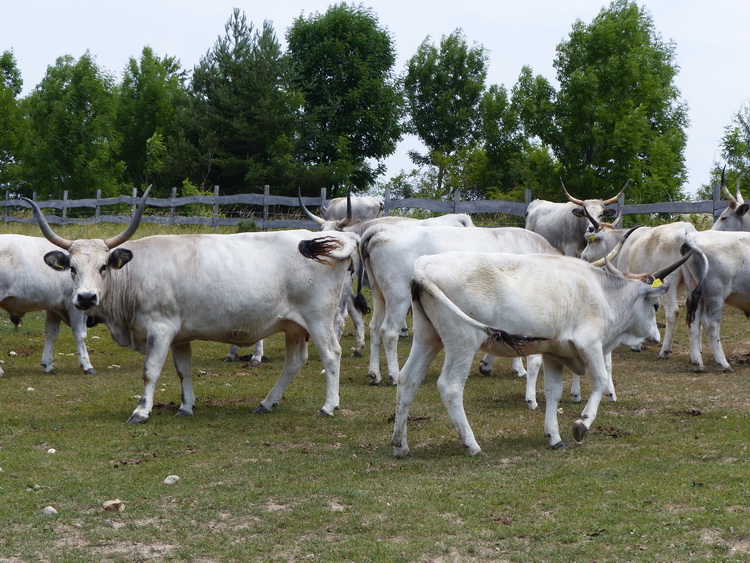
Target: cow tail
[(360, 303), (695, 296), (421, 283)]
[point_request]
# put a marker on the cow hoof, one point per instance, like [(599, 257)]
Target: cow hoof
[(665, 355), (579, 431), (402, 453), (260, 409), (183, 412), (532, 404), (254, 363), (229, 359), (575, 398), (323, 412), (559, 447), (728, 369), (375, 380), (356, 354), (91, 371), (479, 454), (485, 369), (136, 419), (699, 369)]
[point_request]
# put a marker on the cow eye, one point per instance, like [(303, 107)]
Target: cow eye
[(73, 271), (103, 269), (656, 307)]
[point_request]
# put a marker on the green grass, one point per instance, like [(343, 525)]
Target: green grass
[(663, 476)]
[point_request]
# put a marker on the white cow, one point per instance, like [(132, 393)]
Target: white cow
[(734, 217), (564, 225), (162, 292), (566, 309), (645, 250), (27, 285), (389, 255), (720, 274)]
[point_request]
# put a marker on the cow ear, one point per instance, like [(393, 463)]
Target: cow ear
[(578, 212), (119, 257), (742, 209), (57, 260), (609, 212)]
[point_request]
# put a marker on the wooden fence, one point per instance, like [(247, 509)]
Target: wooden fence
[(266, 216)]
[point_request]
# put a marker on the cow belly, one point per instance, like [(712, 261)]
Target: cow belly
[(739, 301)]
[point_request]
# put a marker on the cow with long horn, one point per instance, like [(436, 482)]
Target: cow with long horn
[(564, 225), (734, 217), (160, 293)]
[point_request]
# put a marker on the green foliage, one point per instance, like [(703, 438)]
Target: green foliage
[(443, 89), (148, 100), (343, 66), (617, 115), (12, 124), (248, 227), (73, 139)]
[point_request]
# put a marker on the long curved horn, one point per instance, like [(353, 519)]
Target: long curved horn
[(132, 227), (612, 200), (570, 197), (730, 197), (740, 199), (47, 231), (616, 250), (318, 220), (594, 222), (341, 223), (664, 272)]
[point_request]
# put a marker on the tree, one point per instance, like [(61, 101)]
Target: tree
[(617, 115), (343, 63), (242, 118), (443, 89), (11, 121), (148, 99), (74, 142)]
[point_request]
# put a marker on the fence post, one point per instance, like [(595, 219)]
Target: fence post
[(266, 194), (172, 197), (216, 208), (7, 198), (717, 200), (65, 206), (97, 208), (133, 195), (322, 201), (456, 199), (386, 200)]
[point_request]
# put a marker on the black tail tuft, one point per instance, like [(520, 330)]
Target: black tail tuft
[(691, 303), (515, 341), (15, 319), (360, 303), (317, 247)]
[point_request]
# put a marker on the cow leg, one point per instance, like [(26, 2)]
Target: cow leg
[(610, 389), (425, 347), (451, 385), (157, 348), (233, 351), (182, 358), (575, 389), (517, 366), (392, 323), (485, 365), (598, 370), (294, 358), (51, 332), (78, 326), (533, 364), (376, 322), (696, 339), (257, 354), (553, 388), (712, 314), (329, 351), (671, 314), (358, 321)]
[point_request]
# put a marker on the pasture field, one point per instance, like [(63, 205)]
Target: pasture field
[(663, 476)]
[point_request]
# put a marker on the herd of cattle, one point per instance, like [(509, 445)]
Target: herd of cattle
[(563, 292)]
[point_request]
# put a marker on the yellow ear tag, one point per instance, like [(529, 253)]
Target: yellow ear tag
[(657, 283), (592, 240)]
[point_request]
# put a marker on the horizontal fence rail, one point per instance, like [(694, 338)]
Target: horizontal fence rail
[(266, 218)]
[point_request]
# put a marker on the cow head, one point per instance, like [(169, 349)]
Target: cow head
[(324, 224), (734, 217), (88, 260), (596, 207), (602, 238)]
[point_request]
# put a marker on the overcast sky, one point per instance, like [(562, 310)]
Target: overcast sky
[(710, 38)]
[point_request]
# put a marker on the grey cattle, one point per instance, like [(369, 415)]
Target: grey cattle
[(564, 225), (571, 312), (27, 285), (162, 292)]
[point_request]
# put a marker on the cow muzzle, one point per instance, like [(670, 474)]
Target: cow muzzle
[(86, 300)]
